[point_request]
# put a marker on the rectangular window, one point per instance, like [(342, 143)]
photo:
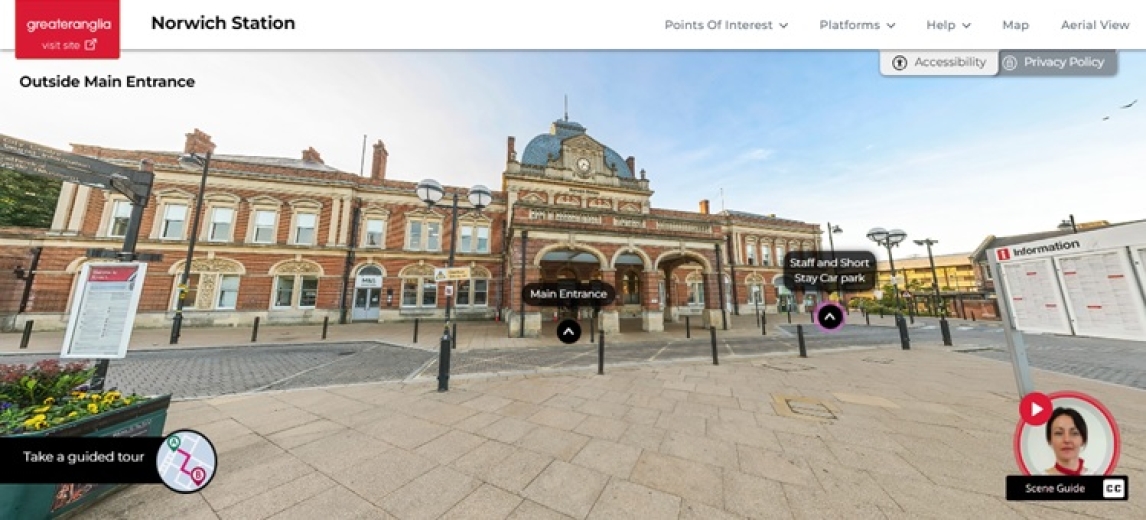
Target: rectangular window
[(696, 293), (120, 216), (221, 221), (374, 230), (463, 294), (228, 292), (429, 293), (308, 297), (304, 228), (467, 239), (765, 255), (751, 254), (414, 236), (284, 291), (433, 236), (481, 292), (264, 227), (482, 240), (174, 217), (410, 292), (192, 292)]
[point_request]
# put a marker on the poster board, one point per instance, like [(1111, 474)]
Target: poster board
[(103, 314), (1036, 300), (1102, 295)]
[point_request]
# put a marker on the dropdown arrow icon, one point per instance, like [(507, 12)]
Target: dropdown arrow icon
[(783, 25), (891, 25), (966, 26)]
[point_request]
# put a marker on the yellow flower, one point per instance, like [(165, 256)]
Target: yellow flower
[(73, 414), (35, 420), (113, 394), (127, 401), (95, 397), (80, 395), (42, 409), (93, 408), (50, 401)]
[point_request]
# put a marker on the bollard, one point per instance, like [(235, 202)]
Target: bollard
[(27, 334), (812, 318), (904, 339), (592, 328), (687, 328), (255, 331), (763, 324), (444, 362), (601, 353), (881, 313), (715, 359), (758, 317), (800, 340), (972, 315), (789, 316), (946, 331), (416, 330), (454, 336), (911, 314), (325, 325), (867, 318)]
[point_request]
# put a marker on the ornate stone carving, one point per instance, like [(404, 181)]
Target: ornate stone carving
[(600, 204), (630, 207), (206, 291), (754, 279), (216, 265), (534, 198), (567, 200), (297, 267), (420, 269), (694, 277), (479, 272)]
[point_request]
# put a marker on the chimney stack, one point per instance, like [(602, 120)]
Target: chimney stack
[(378, 166), (704, 207), (146, 165), (198, 142), (511, 153), (632, 163), (310, 155)]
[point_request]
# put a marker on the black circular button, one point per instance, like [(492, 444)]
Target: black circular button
[(569, 331), (830, 316)]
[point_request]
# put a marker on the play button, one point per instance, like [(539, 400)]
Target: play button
[(569, 331), (829, 317), (1035, 409)]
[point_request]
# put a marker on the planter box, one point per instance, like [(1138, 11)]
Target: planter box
[(50, 501)]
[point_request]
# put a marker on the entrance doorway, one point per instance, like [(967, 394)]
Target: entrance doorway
[(367, 294)]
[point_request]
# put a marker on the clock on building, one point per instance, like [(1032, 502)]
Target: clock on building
[(583, 165)]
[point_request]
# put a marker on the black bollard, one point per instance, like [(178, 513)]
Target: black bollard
[(789, 315), (800, 341), (867, 318), (904, 339), (454, 336), (592, 328), (687, 328), (911, 314), (416, 330), (763, 324), (715, 359), (881, 313), (972, 316), (444, 362), (255, 331), (946, 331), (758, 317), (325, 325), (812, 318), (601, 353), (27, 334)]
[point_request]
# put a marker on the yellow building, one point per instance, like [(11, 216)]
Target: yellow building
[(956, 274)]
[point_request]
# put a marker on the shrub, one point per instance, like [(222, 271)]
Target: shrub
[(49, 394)]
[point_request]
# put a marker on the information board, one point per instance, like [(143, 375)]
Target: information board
[(1102, 295), (1036, 300), (103, 314)]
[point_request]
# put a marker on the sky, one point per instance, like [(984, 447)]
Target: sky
[(812, 136)]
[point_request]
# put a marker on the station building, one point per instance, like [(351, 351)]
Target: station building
[(294, 240)]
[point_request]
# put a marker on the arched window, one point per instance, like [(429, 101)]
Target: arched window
[(418, 286), (695, 283), (213, 284), (296, 285), (475, 291), (631, 288)]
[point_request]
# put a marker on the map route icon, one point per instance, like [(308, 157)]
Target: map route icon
[(186, 461)]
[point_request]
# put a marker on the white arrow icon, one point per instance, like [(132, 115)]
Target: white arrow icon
[(830, 317), (568, 332), (1035, 409)]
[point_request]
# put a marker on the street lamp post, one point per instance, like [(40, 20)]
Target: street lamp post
[(832, 230), (891, 239), (191, 161), (431, 192), (1068, 224), (944, 328)]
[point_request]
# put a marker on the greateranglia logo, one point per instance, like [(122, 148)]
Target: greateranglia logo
[(78, 25), (67, 29), (1006, 254)]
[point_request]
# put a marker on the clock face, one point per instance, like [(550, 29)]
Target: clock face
[(583, 164)]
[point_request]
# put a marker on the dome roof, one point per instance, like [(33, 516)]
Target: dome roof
[(541, 148)]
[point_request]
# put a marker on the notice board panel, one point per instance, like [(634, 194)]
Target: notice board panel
[(1036, 300), (1102, 295)]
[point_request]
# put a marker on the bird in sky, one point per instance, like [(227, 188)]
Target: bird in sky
[(1130, 104), (1105, 118)]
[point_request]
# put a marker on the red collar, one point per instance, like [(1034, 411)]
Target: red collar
[(1071, 472)]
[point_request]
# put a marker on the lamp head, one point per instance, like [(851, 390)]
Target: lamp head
[(877, 235), (836, 230), (430, 191), (191, 161), (1065, 226), (895, 236), (480, 196)]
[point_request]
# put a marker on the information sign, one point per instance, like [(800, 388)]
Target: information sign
[(103, 313), (451, 274)]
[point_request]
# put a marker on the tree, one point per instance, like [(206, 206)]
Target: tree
[(27, 200)]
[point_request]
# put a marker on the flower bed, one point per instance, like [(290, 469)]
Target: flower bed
[(52, 400), (48, 394)]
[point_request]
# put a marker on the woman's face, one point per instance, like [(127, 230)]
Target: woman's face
[(1065, 438)]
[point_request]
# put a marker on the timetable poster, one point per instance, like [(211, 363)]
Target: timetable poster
[(1036, 301), (1103, 295), (104, 314)]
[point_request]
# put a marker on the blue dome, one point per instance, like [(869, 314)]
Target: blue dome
[(545, 146)]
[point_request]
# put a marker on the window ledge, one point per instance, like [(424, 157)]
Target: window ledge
[(417, 311)]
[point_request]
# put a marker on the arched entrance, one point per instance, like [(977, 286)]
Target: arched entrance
[(568, 266), (367, 293), (697, 294)]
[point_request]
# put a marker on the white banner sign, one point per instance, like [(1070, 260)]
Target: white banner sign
[(103, 314), (367, 281)]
